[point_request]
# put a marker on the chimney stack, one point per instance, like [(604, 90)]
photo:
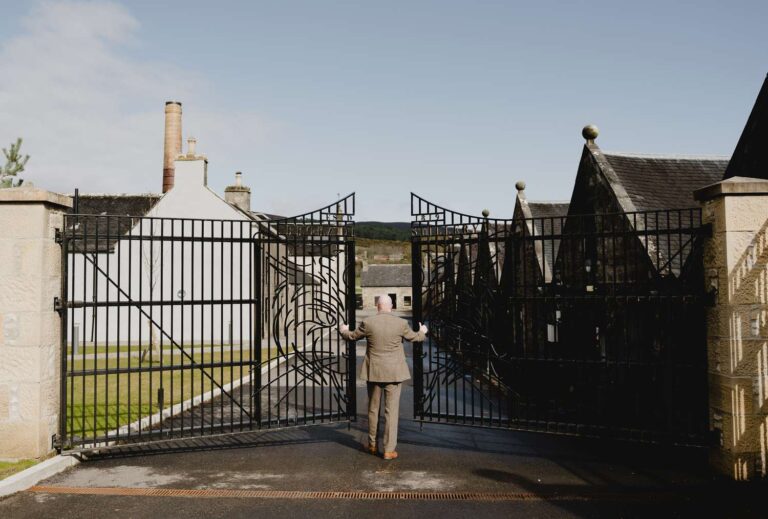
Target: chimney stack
[(172, 143), (238, 195)]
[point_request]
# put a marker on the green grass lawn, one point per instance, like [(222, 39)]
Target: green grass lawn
[(99, 403), (126, 348), (9, 468)]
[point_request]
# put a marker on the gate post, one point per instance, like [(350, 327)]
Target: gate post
[(736, 270), (30, 283)]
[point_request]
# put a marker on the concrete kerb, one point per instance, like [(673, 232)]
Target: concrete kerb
[(33, 475)]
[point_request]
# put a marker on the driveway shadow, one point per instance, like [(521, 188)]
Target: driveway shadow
[(339, 433)]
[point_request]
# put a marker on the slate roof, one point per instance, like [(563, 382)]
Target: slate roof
[(258, 215), (750, 158), (117, 204), (386, 276), (659, 183), (548, 220), (664, 182), (109, 230), (548, 209)]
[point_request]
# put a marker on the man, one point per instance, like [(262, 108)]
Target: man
[(384, 368)]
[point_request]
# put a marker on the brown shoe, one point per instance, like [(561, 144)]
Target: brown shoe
[(390, 455), (371, 448)]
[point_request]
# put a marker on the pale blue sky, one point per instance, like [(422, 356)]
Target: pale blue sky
[(455, 100)]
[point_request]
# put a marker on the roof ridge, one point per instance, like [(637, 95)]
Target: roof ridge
[(116, 194), (671, 156)]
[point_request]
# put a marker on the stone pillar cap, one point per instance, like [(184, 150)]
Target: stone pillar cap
[(29, 194), (734, 186)]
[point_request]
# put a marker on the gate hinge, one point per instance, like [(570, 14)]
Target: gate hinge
[(57, 306), (59, 237), (56, 442), (706, 230)]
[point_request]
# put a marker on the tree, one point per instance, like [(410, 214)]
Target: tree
[(152, 266), (14, 164)]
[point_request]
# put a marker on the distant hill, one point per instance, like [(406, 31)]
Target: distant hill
[(398, 231)]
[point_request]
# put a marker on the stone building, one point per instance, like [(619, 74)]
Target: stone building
[(534, 246), (637, 239), (393, 280)]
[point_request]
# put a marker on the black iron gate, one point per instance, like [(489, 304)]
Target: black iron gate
[(584, 324), (176, 327)]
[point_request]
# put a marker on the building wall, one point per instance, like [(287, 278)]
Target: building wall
[(736, 262), (193, 270), (370, 293), (170, 271)]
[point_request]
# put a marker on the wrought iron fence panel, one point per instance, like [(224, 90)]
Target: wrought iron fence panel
[(178, 327), (587, 324)]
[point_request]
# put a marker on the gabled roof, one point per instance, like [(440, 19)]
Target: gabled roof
[(664, 182), (638, 183), (544, 219), (386, 276), (750, 158)]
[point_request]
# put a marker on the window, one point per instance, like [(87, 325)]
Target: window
[(407, 301)]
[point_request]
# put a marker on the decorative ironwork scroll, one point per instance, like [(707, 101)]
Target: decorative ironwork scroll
[(307, 267)]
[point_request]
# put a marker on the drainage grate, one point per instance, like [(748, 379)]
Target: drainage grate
[(349, 495)]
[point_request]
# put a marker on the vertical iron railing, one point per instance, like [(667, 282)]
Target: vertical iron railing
[(145, 348), (176, 327), (584, 324)]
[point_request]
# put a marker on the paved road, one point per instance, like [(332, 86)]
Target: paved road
[(532, 475)]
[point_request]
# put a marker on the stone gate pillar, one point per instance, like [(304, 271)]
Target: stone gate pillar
[(736, 265), (30, 279)]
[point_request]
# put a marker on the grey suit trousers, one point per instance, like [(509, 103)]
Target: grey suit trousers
[(391, 412)]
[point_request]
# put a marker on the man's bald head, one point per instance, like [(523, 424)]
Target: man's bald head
[(384, 303)]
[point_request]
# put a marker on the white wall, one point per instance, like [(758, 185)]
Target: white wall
[(193, 270), (180, 271)]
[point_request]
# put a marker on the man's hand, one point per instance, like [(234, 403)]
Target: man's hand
[(423, 329), (343, 328)]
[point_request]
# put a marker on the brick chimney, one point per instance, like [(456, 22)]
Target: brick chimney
[(238, 195), (172, 143)]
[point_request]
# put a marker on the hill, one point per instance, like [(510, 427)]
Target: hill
[(397, 231)]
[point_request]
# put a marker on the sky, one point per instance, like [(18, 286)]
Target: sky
[(453, 100)]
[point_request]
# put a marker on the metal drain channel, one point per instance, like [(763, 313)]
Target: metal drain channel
[(349, 495)]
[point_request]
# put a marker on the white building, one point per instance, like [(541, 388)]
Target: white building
[(181, 266)]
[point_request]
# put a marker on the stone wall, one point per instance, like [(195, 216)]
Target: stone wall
[(736, 263), (370, 293), (30, 279)]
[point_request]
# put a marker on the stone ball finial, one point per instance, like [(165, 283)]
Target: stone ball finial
[(590, 132), (520, 185), (486, 213)]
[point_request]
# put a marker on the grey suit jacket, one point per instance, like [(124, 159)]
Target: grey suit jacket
[(384, 357)]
